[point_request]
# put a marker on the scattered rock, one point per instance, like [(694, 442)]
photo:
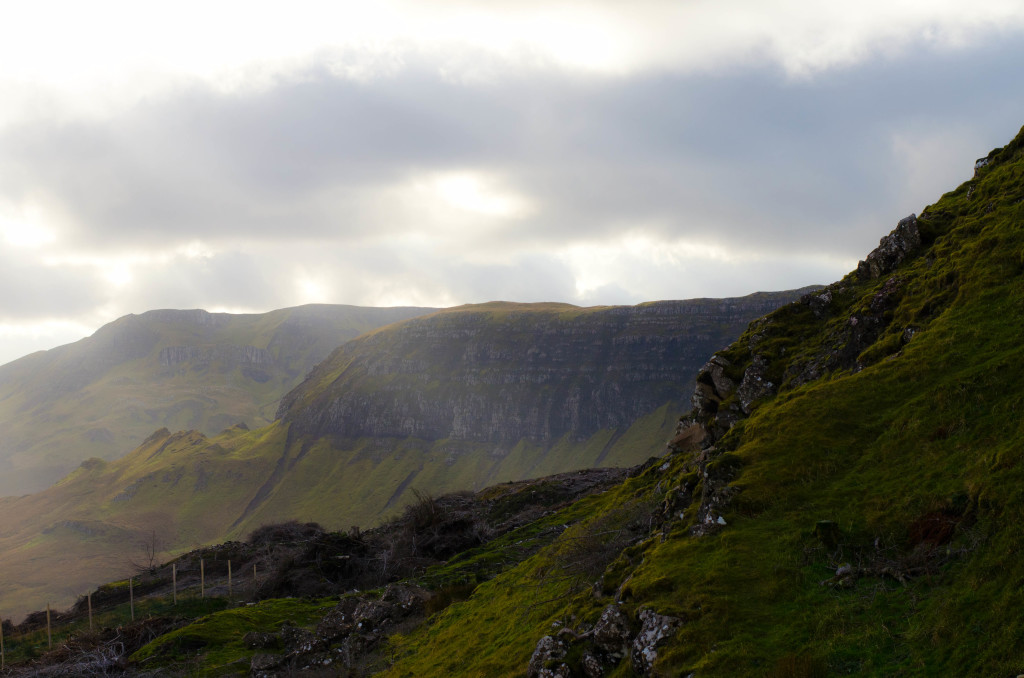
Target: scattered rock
[(655, 629), (818, 302), (979, 163), (546, 661), (338, 622), (264, 665)]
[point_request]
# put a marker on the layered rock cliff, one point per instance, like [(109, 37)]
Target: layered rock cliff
[(501, 373)]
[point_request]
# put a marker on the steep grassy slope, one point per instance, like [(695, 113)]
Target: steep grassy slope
[(102, 396), (187, 489), (864, 520)]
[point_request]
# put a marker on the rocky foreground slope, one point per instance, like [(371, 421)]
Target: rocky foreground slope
[(103, 395)]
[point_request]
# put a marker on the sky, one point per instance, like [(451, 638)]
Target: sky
[(247, 156)]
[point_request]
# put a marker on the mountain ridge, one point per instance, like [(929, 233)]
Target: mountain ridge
[(102, 395)]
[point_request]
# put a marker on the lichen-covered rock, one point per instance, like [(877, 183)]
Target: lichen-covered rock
[(755, 384), (655, 628), (903, 241), (591, 665), (613, 634), (546, 661), (819, 302)]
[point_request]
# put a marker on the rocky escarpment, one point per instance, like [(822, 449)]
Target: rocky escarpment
[(502, 373), (204, 355), (733, 381)]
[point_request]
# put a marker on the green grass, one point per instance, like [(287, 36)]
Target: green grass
[(214, 643)]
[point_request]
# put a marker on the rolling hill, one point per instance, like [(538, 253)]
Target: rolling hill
[(102, 396)]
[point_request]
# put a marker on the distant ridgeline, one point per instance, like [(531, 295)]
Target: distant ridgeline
[(103, 395)]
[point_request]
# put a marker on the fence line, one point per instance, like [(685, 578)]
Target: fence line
[(71, 616)]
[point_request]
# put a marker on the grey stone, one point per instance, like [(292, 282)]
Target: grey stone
[(755, 384), (892, 249), (546, 661), (613, 633), (263, 665), (592, 667), (655, 628)]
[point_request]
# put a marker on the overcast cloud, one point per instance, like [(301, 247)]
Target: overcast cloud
[(437, 153)]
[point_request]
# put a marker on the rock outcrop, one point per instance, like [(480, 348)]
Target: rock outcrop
[(892, 250)]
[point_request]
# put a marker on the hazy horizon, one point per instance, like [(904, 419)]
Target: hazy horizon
[(433, 154)]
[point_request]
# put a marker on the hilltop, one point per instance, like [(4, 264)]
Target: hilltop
[(103, 395)]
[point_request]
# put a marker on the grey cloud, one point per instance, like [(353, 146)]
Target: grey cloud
[(32, 290), (746, 159), (231, 279)]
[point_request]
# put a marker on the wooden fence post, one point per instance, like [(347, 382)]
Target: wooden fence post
[(131, 597), (1, 643), (174, 582), (88, 598), (229, 580), (202, 578), (49, 634)]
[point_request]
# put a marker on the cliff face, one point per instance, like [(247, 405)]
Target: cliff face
[(501, 373)]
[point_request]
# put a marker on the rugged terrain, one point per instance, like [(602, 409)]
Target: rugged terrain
[(430, 395), (103, 395), (843, 498)]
